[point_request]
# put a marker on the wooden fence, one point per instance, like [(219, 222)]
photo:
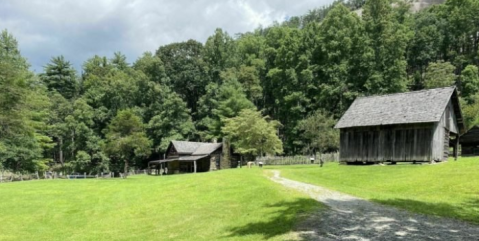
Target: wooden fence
[(298, 160), (6, 176)]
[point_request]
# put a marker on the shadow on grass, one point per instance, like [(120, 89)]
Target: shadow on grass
[(468, 211), (282, 219)]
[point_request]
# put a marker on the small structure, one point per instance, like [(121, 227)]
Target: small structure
[(470, 142), (192, 157), (418, 126)]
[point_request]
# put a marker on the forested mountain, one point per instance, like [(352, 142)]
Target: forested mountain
[(303, 73)]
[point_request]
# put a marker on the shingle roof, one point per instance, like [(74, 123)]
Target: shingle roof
[(207, 148), (186, 147), (195, 148), (411, 107)]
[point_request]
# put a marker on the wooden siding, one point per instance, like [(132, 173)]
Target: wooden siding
[(397, 143), (472, 136), (452, 123), (470, 149), (172, 152), (438, 140)]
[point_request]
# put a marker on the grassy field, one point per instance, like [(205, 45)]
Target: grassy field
[(230, 205), (448, 189)]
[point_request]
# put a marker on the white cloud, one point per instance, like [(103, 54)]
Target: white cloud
[(81, 29)]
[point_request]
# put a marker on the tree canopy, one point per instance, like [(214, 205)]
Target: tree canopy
[(303, 73)]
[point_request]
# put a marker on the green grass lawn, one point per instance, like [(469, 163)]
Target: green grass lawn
[(239, 204), (448, 189)]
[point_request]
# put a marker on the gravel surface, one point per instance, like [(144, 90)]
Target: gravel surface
[(352, 218)]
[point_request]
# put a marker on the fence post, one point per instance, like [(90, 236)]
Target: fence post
[(84, 175)]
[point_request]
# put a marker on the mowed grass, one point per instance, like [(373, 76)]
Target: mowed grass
[(448, 189), (237, 204)]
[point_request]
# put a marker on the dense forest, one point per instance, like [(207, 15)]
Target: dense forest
[(296, 78)]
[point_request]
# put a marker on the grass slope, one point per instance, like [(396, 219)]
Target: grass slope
[(230, 205), (448, 189)]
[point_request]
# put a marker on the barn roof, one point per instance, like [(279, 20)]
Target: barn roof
[(195, 148), (422, 106)]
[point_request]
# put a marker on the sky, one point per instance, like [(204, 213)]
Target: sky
[(80, 29)]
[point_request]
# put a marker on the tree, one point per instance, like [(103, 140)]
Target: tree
[(470, 111), (342, 57), (219, 53), (172, 122), (60, 75), (23, 110), (126, 138), (248, 76), (319, 133), (152, 66), (251, 133), (119, 61), (425, 45), (388, 41), (439, 74), (187, 71), (231, 101), (470, 82)]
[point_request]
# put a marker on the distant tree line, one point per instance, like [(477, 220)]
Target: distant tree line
[(278, 89)]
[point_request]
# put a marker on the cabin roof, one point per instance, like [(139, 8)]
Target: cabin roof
[(424, 106), (195, 148), (206, 148)]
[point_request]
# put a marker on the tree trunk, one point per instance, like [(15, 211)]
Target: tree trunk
[(60, 152), (73, 145), (125, 173)]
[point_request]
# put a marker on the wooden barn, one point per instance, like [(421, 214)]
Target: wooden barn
[(418, 126), (192, 157), (470, 142)]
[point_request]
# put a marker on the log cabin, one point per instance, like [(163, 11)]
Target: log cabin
[(470, 142), (418, 126), (192, 157)]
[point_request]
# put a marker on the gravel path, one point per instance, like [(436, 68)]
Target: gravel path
[(352, 218)]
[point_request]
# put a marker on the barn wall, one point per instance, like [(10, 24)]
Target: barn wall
[(438, 139), (397, 143), (452, 119)]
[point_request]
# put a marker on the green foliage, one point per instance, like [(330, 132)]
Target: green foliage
[(60, 76), (187, 70), (319, 133), (251, 133), (126, 138), (341, 55), (295, 71), (470, 82), (23, 110), (152, 66), (172, 122), (439, 74), (226, 101), (387, 39), (470, 110)]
